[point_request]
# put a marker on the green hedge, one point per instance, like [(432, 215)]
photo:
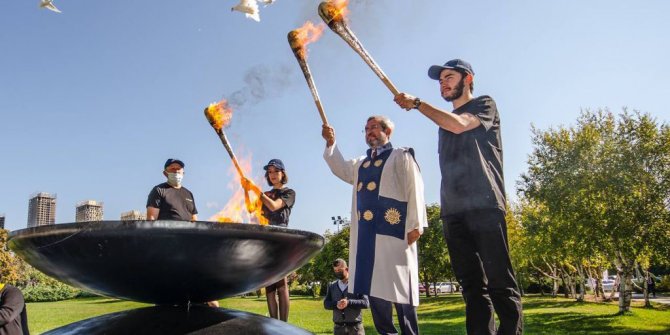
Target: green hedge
[(42, 293)]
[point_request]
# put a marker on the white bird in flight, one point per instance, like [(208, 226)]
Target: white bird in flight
[(250, 8), (49, 4)]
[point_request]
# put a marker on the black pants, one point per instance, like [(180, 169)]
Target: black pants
[(349, 329), (382, 316), (477, 242)]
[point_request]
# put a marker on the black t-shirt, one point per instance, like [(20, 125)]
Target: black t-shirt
[(280, 216), (173, 203), (472, 162)]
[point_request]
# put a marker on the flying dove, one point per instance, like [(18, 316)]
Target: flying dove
[(49, 4), (250, 8)]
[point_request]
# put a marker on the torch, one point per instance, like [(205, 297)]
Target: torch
[(218, 116), (298, 40), (332, 15)]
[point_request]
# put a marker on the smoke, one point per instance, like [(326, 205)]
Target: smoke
[(262, 82)]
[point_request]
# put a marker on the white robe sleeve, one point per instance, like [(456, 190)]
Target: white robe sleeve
[(417, 217), (343, 169)]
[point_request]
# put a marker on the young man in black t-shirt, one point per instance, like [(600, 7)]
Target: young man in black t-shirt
[(171, 200), (473, 199)]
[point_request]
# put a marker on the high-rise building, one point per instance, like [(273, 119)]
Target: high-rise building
[(89, 210), (41, 209), (2, 221), (133, 215)]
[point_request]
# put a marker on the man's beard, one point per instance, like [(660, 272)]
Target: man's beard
[(376, 141), (458, 91)]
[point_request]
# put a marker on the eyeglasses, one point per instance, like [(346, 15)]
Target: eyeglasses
[(373, 127)]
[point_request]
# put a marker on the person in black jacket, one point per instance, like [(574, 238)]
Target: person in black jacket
[(346, 306), (13, 316)]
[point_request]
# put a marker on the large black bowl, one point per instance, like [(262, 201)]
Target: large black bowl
[(165, 262), (170, 320)]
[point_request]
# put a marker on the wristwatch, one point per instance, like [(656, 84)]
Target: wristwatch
[(417, 103)]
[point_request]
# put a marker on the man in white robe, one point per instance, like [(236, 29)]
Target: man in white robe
[(387, 218)]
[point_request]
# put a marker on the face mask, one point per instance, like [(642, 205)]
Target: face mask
[(339, 275), (175, 179)]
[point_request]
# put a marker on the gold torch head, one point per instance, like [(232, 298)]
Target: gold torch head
[(218, 114), (332, 11), (296, 44)]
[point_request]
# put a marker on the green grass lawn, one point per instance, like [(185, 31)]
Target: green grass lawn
[(441, 315)]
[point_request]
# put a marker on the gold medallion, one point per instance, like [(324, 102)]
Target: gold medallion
[(368, 215), (366, 164), (392, 216), (378, 163), (371, 186)]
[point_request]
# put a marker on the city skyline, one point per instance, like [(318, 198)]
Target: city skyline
[(89, 210)]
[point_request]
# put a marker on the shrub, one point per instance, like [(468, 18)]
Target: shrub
[(664, 284), (302, 289), (42, 293)]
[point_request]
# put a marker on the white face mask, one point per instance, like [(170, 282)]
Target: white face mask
[(174, 178)]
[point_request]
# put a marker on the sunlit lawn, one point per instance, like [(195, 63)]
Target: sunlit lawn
[(442, 315)]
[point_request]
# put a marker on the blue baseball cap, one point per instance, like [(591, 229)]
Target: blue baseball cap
[(172, 161), (277, 163), (454, 64)]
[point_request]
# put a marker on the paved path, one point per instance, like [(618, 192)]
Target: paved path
[(661, 299)]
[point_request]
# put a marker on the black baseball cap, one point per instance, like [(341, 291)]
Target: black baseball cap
[(277, 163), (454, 64), (172, 161)]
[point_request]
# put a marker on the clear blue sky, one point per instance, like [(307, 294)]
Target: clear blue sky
[(93, 100)]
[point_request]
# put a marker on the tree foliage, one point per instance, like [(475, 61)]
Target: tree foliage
[(434, 264), (319, 271), (10, 265), (598, 190)]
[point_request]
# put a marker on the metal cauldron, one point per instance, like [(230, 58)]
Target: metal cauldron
[(165, 262)]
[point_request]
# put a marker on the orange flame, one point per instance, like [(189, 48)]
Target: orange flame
[(235, 210), (341, 7), (301, 37), (334, 10), (219, 114)]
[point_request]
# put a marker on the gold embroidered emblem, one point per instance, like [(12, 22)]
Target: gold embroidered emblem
[(360, 186), (378, 163), (371, 186), (367, 215), (392, 216), (366, 164)]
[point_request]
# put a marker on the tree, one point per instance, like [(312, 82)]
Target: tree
[(434, 263), (605, 184), (319, 269), (10, 265)]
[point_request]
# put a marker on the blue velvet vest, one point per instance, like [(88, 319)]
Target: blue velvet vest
[(377, 215)]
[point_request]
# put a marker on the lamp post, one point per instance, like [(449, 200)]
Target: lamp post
[(338, 222)]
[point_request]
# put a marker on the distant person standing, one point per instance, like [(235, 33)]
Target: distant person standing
[(651, 285), (473, 199), (346, 306), (13, 316), (171, 200)]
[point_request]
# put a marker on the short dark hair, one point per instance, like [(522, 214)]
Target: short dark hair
[(465, 74), (284, 178), (339, 262)]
